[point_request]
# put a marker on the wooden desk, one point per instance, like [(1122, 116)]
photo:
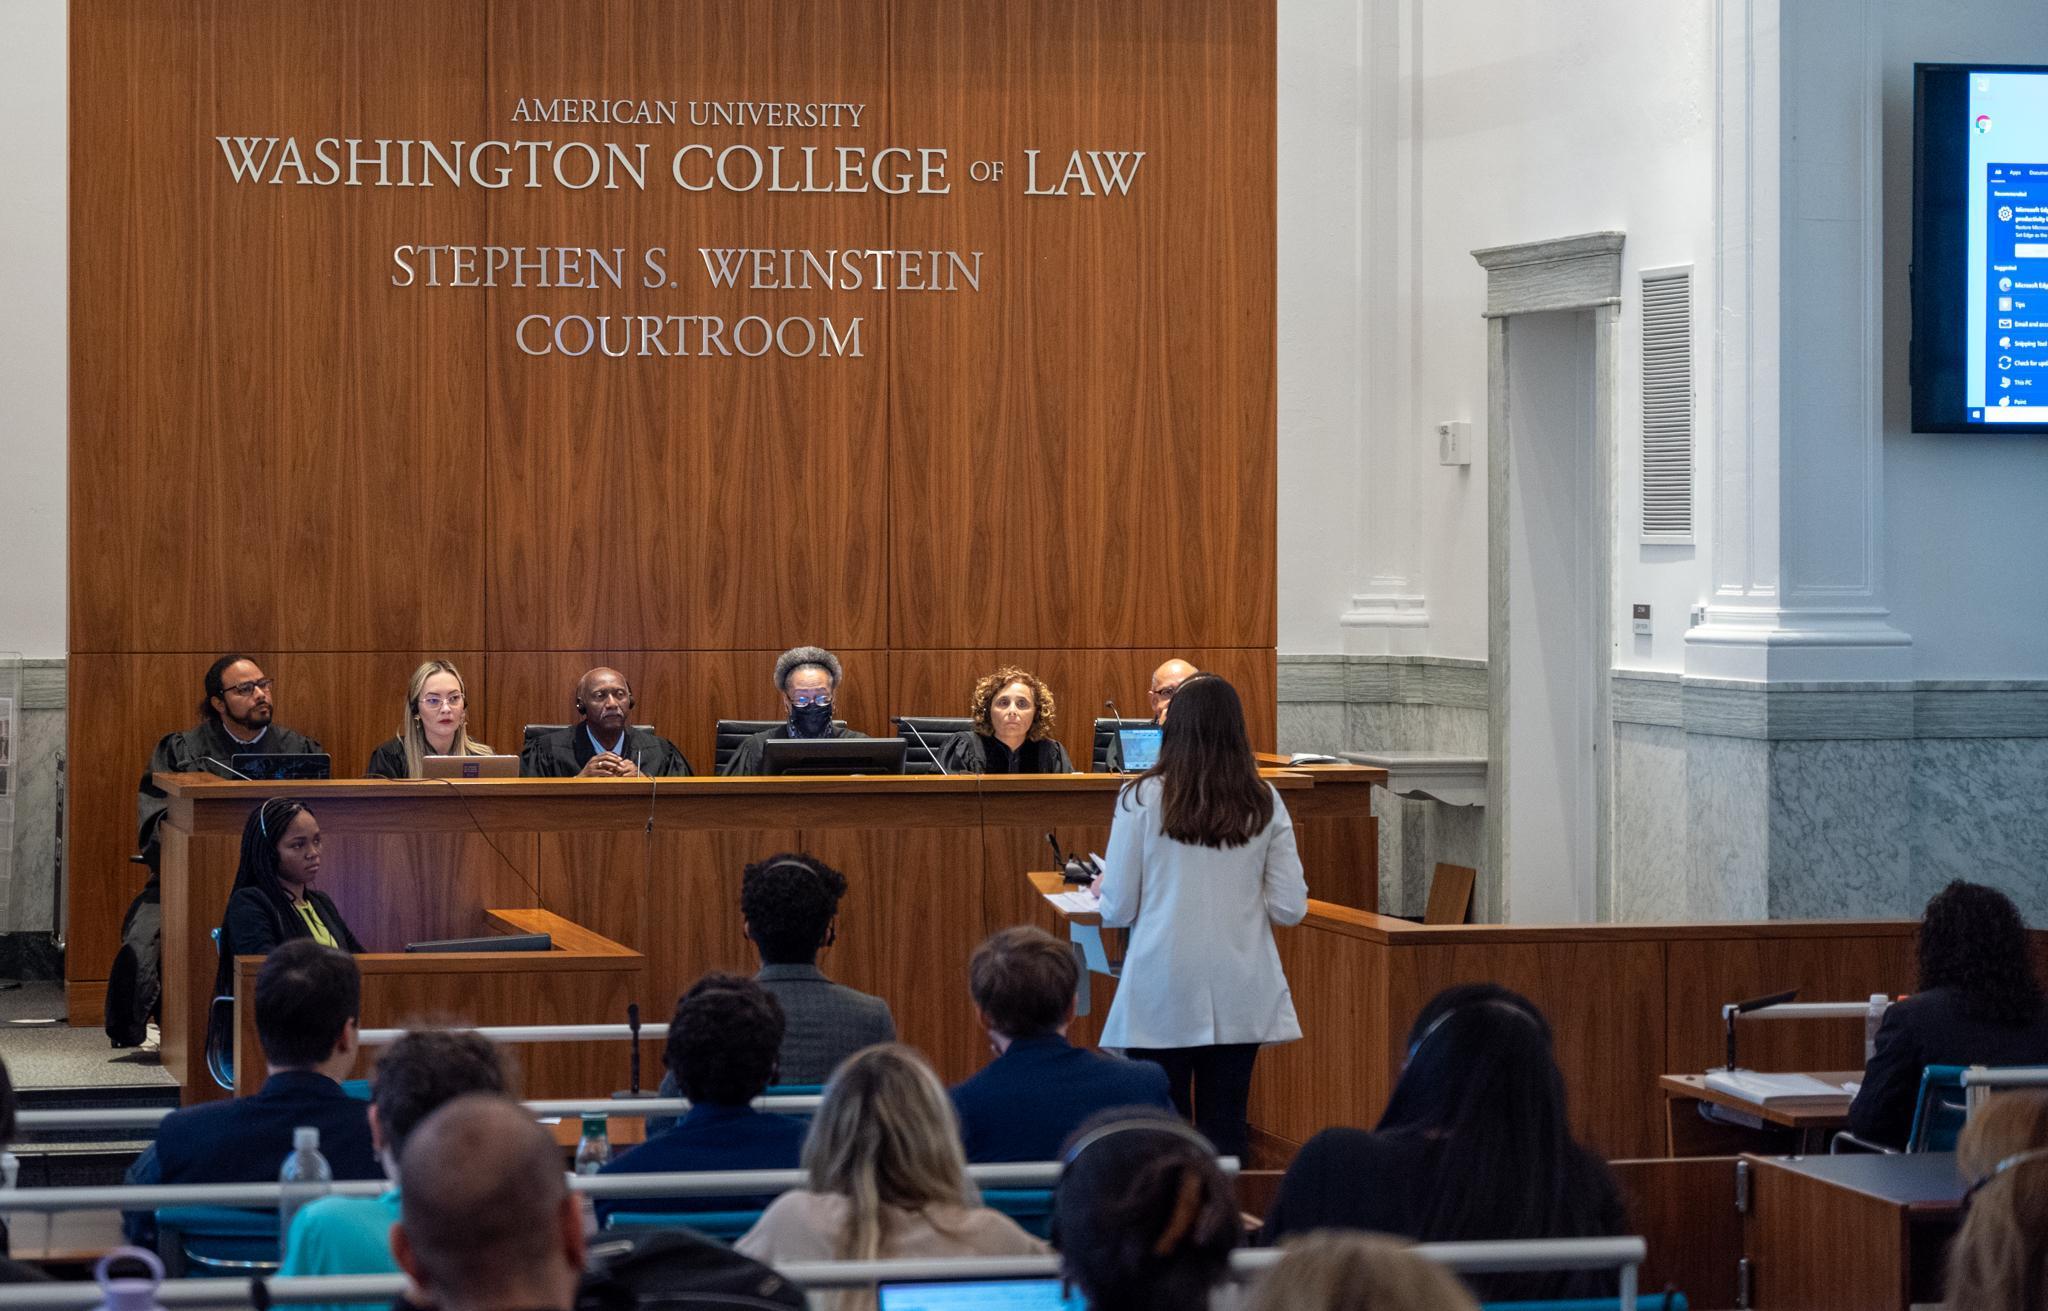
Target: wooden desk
[(934, 863), (584, 975), (1688, 1134), (1858, 1233)]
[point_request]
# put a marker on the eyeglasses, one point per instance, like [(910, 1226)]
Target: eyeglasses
[(607, 694), (1165, 693), (805, 699), (435, 701), (251, 687)]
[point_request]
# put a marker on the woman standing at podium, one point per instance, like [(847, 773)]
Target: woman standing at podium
[(1201, 865), (436, 724)]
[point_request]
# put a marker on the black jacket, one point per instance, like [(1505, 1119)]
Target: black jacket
[(188, 752), (1931, 1028), (257, 921), (972, 753)]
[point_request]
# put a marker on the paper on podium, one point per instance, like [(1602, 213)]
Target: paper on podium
[(1775, 1089), (1078, 902)]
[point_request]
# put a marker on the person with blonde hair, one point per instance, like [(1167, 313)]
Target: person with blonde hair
[(1330, 1270), (1013, 712), (887, 1176), (1999, 1260), (436, 724)]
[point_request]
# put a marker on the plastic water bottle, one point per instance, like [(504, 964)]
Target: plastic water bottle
[(306, 1175), (1871, 1020), (595, 1151), (129, 1292)]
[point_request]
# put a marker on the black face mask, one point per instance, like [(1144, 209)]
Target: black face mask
[(810, 721)]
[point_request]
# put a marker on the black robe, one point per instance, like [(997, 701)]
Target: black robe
[(564, 752), (972, 753), (186, 752), (749, 754)]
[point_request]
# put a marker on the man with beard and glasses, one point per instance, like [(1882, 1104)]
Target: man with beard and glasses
[(235, 715), (808, 679), (603, 743)]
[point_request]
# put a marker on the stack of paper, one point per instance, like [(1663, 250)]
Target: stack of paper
[(1784, 1090), (1078, 902)]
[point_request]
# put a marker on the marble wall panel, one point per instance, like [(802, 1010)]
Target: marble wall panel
[(1726, 835), (1977, 813), (1650, 857), (1840, 829)]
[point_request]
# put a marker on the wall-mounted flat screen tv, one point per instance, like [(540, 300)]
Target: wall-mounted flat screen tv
[(1980, 248)]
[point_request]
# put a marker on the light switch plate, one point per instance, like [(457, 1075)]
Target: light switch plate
[(1454, 442), (1642, 620)]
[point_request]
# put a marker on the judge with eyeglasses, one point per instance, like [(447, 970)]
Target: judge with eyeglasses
[(603, 743), (436, 723), (807, 677)]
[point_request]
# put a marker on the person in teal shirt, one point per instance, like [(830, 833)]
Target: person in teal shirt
[(418, 1073)]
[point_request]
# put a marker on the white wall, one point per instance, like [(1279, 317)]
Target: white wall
[(1966, 518), (1320, 333), (33, 333)]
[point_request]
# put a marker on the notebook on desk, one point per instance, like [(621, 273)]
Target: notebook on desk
[(1780, 1090)]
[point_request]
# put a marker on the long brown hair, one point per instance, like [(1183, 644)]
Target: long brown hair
[(1210, 792), (2000, 1259)]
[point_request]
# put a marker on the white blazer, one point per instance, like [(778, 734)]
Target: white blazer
[(1201, 968)]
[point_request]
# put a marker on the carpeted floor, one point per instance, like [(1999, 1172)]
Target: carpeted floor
[(42, 1054)]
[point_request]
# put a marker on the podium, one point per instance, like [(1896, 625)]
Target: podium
[(934, 864), (584, 979)]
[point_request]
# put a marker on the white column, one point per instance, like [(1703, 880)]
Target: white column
[(1798, 458), (1389, 613)]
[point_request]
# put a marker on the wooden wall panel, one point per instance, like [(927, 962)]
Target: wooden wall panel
[(1716, 972), (276, 450), (1091, 431), (699, 501)]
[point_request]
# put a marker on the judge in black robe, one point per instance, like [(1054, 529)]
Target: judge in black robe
[(602, 744), (1013, 713), (236, 715), (807, 679)]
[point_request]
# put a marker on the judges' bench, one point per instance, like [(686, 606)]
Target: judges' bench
[(934, 864)]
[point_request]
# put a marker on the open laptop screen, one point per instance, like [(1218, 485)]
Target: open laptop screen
[(982, 1295), (1141, 747)]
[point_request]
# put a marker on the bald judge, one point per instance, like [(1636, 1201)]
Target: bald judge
[(1166, 680), (603, 743)]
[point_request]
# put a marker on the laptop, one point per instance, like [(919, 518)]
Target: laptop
[(1141, 748), (269, 767), (982, 1295), (469, 767)]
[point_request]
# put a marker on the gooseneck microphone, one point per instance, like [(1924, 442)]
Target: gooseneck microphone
[(633, 1024), (937, 763)]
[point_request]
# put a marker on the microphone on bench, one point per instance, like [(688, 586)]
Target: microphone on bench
[(633, 1060)]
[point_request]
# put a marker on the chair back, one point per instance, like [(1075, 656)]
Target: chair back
[(1031, 1208), (1105, 733), (1940, 1112), (1450, 894), (725, 1226), (223, 1241), (534, 732), (220, 1035), (732, 732), (922, 757)]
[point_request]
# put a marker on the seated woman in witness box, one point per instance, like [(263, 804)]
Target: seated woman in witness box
[(436, 723), (1012, 733)]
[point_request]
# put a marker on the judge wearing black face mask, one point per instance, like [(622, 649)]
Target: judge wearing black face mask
[(603, 744), (808, 679)]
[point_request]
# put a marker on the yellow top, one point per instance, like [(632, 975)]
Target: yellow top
[(321, 933)]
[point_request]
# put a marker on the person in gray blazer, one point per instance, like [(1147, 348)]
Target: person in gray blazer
[(1201, 865), (790, 903)]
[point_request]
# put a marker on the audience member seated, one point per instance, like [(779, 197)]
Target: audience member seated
[(1978, 1003), (416, 1076), (1012, 733), (436, 723), (1144, 1218), (722, 1047), (1474, 1144), (807, 679), (486, 1221), (603, 742), (1040, 1087), (11, 1272), (887, 1177), (1337, 1271), (235, 712), (1999, 1260), (790, 905), (307, 1000)]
